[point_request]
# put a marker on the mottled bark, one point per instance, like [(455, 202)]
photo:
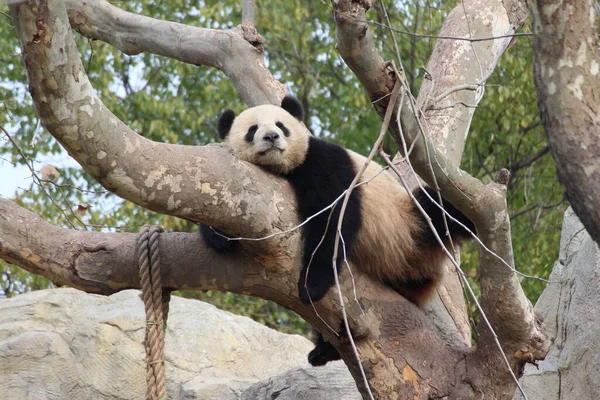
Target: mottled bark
[(567, 80)]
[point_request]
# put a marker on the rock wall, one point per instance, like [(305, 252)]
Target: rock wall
[(66, 344), (571, 309)]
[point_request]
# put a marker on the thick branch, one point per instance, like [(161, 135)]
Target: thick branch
[(105, 263), (484, 205), (567, 80), (466, 66), (205, 184), (237, 52)]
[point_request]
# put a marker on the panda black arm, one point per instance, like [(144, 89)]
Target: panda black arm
[(217, 240), (326, 172)]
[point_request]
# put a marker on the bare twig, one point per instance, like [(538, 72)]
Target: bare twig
[(38, 180), (466, 86), (63, 185), (303, 222), (527, 161), (539, 206), (386, 121), (469, 39)]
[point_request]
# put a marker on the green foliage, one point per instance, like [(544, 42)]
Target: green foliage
[(169, 101)]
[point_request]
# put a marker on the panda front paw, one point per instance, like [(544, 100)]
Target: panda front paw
[(217, 240)]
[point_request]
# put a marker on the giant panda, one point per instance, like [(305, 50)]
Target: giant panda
[(385, 235)]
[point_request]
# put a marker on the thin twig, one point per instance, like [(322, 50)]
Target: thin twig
[(37, 178), (386, 121), (423, 36), (465, 86), (351, 274), (531, 207), (63, 185), (272, 235)]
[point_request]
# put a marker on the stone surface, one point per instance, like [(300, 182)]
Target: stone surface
[(330, 382), (571, 309), (66, 344)]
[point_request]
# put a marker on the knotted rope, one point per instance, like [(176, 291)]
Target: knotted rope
[(156, 301)]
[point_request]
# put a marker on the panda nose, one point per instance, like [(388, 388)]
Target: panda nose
[(271, 137)]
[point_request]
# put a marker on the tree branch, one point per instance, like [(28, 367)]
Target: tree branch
[(207, 186), (237, 52), (567, 80), (248, 13), (527, 161)]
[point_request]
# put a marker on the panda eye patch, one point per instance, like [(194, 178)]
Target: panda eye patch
[(285, 130), (250, 134)]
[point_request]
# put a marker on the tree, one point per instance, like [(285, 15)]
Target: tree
[(567, 65), (401, 350)]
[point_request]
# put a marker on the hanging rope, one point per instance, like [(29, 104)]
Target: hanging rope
[(156, 301)]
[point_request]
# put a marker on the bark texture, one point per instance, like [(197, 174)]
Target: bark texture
[(567, 80)]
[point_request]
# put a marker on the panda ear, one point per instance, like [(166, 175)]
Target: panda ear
[(225, 123), (293, 106)]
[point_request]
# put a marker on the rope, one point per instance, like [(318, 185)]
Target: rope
[(156, 301)]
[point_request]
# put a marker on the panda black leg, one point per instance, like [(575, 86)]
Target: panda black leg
[(315, 286), (323, 351), (216, 239)]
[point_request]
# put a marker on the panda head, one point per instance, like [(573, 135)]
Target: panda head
[(268, 135)]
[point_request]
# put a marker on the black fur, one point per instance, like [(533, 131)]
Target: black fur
[(293, 106), (326, 172), (283, 128), (225, 123), (457, 232), (323, 351), (217, 239), (250, 134)]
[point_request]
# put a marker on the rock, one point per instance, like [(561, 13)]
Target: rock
[(332, 381), (571, 310), (66, 344)]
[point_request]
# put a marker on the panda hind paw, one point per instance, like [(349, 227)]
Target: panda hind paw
[(322, 354)]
